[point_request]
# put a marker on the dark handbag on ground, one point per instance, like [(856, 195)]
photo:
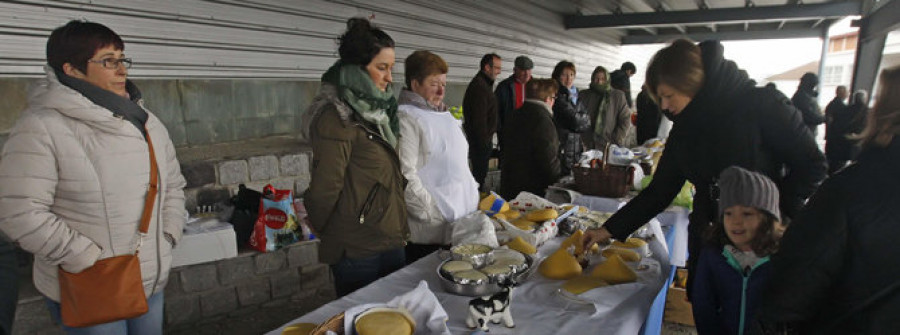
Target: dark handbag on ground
[(112, 289), (605, 180), (246, 211)]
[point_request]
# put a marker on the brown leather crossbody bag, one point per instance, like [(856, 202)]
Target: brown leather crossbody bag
[(112, 289)]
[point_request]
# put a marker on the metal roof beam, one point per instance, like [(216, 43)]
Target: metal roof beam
[(881, 21), (831, 9), (724, 36)]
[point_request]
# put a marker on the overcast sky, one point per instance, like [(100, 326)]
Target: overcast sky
[(760, 58)]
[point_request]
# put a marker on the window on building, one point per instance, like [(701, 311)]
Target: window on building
[(833, 75)]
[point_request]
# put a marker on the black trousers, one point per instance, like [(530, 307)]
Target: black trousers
[(479, 155)]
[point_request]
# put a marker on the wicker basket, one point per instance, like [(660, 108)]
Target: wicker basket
[(335, 324), (611, 181)]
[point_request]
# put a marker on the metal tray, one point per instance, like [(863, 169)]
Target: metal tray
[(484, 289)]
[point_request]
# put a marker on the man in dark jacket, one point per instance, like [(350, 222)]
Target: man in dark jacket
[(728, 122), (530, 160), (836, 146), (805, 100), (510, 92), (648, 117), (480, 116), (621, 80)]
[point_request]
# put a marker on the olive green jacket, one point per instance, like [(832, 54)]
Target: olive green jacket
[(355, 198)]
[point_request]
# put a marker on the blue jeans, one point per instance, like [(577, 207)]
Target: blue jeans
[(150, 323), (9, 282), (352, 274)]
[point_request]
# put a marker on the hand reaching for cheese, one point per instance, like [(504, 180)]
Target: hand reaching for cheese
[(591, 236)]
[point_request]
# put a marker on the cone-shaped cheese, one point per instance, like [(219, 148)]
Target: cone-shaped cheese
[(518, 244), (542, 215), (299, 329), (581, 284), (493, 204), (523, 224), (560, 265), (575, 240), (630, 243), (627, 255), (614, 271)]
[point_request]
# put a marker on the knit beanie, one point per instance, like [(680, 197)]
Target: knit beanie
[(738, 186)]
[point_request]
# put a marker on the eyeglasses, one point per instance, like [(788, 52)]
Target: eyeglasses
[(112, 63)]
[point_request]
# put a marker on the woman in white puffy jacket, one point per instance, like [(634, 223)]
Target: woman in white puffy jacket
[(433, 157), (76, 170)]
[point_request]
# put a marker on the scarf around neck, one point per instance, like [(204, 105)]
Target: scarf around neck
[(408, 97), (357, 89), (603, 91), (118, 105)]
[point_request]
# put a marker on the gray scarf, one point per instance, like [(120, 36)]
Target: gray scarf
[(408, 97), (119, 105)]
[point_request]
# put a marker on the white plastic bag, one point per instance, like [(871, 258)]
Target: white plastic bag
[(474, 228)]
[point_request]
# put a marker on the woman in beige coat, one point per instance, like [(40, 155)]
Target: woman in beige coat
[(609, 113), (76, 168)]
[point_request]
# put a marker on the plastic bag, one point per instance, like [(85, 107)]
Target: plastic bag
[(276, 226), (474, 228)]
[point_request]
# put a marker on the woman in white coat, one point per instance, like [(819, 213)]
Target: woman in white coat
[(433, 157), (76, 171)]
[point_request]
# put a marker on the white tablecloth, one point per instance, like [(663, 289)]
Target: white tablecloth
[(536, 306), (674, 217)]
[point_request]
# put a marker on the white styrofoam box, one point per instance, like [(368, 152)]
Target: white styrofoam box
[(205, 240)]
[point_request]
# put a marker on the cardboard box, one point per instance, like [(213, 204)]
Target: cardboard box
[(205, 242), (678, 309)]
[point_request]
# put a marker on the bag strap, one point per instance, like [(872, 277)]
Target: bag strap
[(152, 191)]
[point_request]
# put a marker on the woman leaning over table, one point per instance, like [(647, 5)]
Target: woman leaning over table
[(355, 197), (720, 119), (433, 153), (76, 169)]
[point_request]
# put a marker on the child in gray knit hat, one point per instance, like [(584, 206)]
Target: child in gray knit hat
[(734, 268)]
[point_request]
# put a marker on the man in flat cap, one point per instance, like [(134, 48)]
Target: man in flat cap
[(511, 91)]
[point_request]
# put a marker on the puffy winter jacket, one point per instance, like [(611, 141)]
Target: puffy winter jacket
[(355, 196), (75, 178)]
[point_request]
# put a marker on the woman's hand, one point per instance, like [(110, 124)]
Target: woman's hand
[(592, 236)]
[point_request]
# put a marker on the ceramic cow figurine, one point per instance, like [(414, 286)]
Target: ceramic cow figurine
[(492, 308)]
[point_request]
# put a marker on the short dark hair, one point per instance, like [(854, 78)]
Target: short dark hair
[(421, 64), (764, 243), (562, 65), (629, 66), (77, 41), (487, 59), (362, 41), (679, 65), (541, 88)]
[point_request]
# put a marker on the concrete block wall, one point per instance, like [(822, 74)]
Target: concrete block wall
[(208, 292), (213, 181)]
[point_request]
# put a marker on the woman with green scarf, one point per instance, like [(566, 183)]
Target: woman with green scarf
[(609, 113), (355, 197)]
